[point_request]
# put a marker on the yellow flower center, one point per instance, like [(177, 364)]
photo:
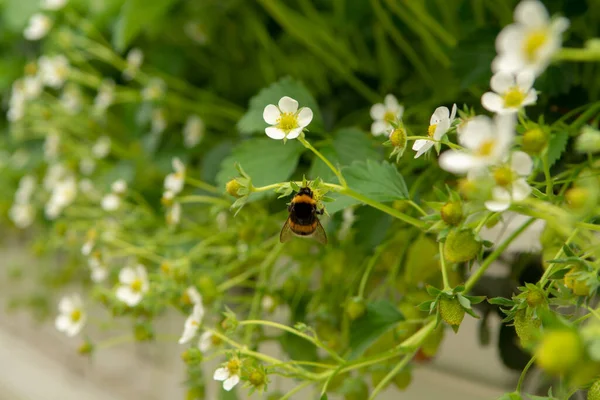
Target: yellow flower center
[(287, 122), (486, 148), (215, 340), (513, 97), (136, 285), (76, 315), (532, 44), (431, 130), (234, 366), (389, 117), (503, 176)]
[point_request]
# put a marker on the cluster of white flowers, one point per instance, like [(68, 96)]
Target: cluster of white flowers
[(22, 212), (193, 131), (133, 285), (173, 185), (135, 58), (193, 321), (62, 186), (112, 201), (105, 97), (71, 315), (39, 23)]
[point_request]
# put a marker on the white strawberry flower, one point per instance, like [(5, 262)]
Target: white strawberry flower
[(154, 90), (53, 70), (32, 86), (192, 323), (439, 124), (25, 190), (133, 285), (53, 5), (22, 215), (173, 216), (193, 131), (99, 271), (63, 194), (205, 342), (286, 120), (384, 114), (229, 374), (511, 93), (119, 186), (72, 316), (87, 166), (105, 96), (174, 181), (486, 141), (39, 25), (530, 42), (110, 202), (158, 121), (51, 145), (71, 99), (135, 58), (511, 185), (101, 148)]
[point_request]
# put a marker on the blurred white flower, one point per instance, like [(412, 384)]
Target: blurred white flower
[(32, 87), (511, 93), (135, 58), (173, 216), (101, 148), (87, 166), (54, 173), (133, 285), (86, 186), (105, 96), (53, 4), (99, 271), (71, 99), (196, 32), (155, 89), (193, 295), (25, 190), (439, 124), (588, 141), (487, 142), (285, 119), (53, 70), (384, 114), (230, 374), (174, 181), (511, 184), (119, 186), (22, 215), (111, 202), (158, 121), (205, 342), (193, 131), (63, 194), (38, 27), (90, 242), (192, 323), (51, 145), (530, 42), (72, 316)]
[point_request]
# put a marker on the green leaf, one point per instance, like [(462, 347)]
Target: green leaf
[(340, 202), (253, 120), (267, 161), (464, 302), (212, 160), (557, 146), (380, 317), (298, 348), (16, 13), (501, 301), (135, 17), (349, 145), (379, 181)]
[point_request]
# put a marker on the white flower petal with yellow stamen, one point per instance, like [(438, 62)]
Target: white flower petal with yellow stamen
[(38, 27), (530, 42), (439, 124), (385, 113), (286, 120), (511, 93), (101, 148), (53, 71), (175, 181), (192, 323), (193, 131), (133, 285), (72, 316), (135, 58), (53, 5), (111, 202)]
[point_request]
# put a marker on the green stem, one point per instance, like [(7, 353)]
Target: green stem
[(365, 277), (295, 390), (202, 185), (203, 199), (416, 207), (443, 263), (523, 373), (548, 270), (323, 158), (405, 360), (495, 254), (571, 54), (549, 181)]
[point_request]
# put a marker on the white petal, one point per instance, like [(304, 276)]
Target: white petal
[(520, 190), (194, 295), (531, 13), (453, 113), (231, 382), (275, 133), (75, 328), (531, 98), (140, 271), (377, 111), (205, 342), (127, 296), (508, 62), (505, 133), (492, 102), (441, 129), (418, 144), (271, 113), (287, 104), (439, 114), (305, 116), (62, 323), (294, 133), (501, 82), (380, 127), (221, 374), (521, 163), (127, 275), (497, 206), (178, 165), (391, 103), (198, 312), (457, 162), (66, 306), (189, 329), (559, 25), (525, 80), (428, 145), (477, 130)]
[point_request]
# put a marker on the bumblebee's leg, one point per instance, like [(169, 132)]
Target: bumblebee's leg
[(320, 212)]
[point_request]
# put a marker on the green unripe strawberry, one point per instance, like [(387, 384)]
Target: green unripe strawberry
[(355, 308), (461, 245), (594, 391), (559, 351), (535, 297), (355, 389), (578, 287), (402, 379), (452, 213), (534, 141), (527, 328), (232, 187), (451, 311)]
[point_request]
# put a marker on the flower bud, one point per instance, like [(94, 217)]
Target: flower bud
[(192, 356), (232, 187), (398, 137), (559, 351), (588, 141), (461, 245), (403, 379), (86, 348), (257, 378), (451, 311), (534, 141), (527, 328), (143, 332), (452, 213), (535, 297), (572, 281), (577, 197), (355, 308), (208, 288)]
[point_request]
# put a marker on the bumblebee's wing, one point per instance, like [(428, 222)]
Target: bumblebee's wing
[(319, 233), (286, 232)]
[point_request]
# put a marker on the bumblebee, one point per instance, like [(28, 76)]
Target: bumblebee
[(303, 220)]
